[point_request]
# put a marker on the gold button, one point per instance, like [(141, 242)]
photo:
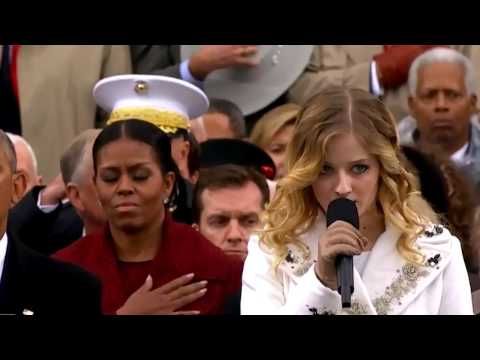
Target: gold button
[(141, 87)]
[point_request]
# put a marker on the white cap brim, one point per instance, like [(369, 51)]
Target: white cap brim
[(162, 93)]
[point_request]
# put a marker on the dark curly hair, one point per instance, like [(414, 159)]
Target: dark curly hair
[(451, 195)]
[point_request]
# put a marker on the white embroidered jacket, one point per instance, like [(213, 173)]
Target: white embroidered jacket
[(388, 284)]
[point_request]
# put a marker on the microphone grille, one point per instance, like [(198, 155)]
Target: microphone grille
[(342, 209)]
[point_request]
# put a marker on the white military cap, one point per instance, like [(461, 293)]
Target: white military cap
[(166, 102)]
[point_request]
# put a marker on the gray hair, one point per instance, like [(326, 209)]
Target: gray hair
[(442, 55), (72, 162), (18, 139)]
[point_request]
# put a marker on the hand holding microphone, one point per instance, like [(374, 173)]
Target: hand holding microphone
[(338, 244)]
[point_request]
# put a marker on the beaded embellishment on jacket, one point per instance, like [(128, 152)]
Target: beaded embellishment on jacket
[(298, 262), (407, 280), (323, 311), (356, 309), (404, 283)]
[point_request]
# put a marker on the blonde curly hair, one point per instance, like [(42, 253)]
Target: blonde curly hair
[(272, 122), (294, 209)]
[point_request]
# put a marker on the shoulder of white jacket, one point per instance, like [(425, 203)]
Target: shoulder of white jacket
[(438, 237), (256, 246)]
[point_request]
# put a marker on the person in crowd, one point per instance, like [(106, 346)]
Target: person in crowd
[(148, 263), (442, 85), (273, 133), (185, 149), (56, 102), (67, 208), (223, 120), (345, 145), (228, 201), (451, 195), (31, 283), (165, 60), (379, 69), (27, 165)]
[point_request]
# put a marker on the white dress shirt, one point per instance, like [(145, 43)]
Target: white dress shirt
[(3, 253), (460, 156)]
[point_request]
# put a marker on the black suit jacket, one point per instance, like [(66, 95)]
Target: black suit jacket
[(35, 282), (156, 59), (232, 305), (45, 233)]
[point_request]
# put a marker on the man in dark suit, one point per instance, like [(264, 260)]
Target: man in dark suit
[(31, 283), (41, 231), (47, 224), (165, 60)]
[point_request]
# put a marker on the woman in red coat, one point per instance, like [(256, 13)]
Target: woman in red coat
[(148, 264)]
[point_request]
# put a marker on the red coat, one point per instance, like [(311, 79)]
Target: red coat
[(183, 251)]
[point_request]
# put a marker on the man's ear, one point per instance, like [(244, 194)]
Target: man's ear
[(19, 182), (185, 149), (198, 129), (74, 196), (196, 227), (473, 103), (169, 183)]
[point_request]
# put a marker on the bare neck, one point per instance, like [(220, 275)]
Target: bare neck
[(137, 246), (372, 225)]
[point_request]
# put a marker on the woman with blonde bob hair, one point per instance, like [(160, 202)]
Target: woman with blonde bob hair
[(273, 131), (345, 145)]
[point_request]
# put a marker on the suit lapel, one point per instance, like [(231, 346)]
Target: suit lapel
[(9, 291), (16, 292)]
